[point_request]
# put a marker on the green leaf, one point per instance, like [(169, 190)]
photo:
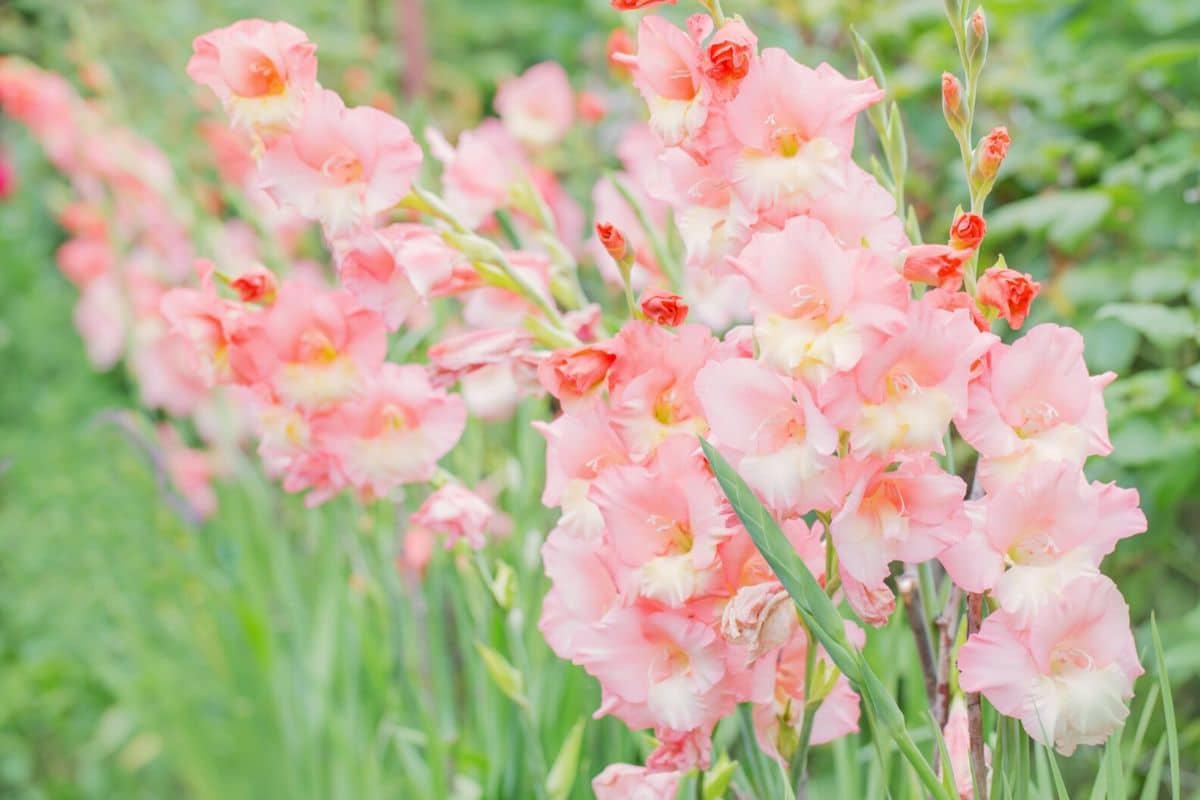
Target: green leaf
[(1165, 326), (1060, 788), (718, 778), (503, 674), (1067, 218), (1111, 345), (566, 764), (1164, 684)]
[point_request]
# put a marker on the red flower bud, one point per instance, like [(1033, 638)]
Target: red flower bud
[(936, 264), (728, 56), (967, 231), (633, 5), (613, 241), (951, 93), (256, 285), (1009, 292), (663, 307), (569, 374), (991, 152)]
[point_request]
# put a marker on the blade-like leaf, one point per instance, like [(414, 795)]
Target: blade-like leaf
[(1164, 684)]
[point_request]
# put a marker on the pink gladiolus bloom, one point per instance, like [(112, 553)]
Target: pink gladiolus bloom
[(873, 604), (665, 522), (1009, 292), (479, 174), (911, 514), (256, 285), (206, 321), (783, 445), (629, 782), (667, 73), (341, 165), (1048, 527), (456, 513), (936, 264), (85, 258), (912, 386), (1036, 402), (1069, 675), (395, 432), (729, 56), (262, 72), (538, 107), (795, 127), (571, 375), (191, 470), (102, 319), (464, 353), (311, 349), (820, 306), (394, 270)]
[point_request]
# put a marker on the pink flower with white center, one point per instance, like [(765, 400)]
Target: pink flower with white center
[(341, 166), (660, 669), (394, 270), (630, 782), (652, 396), (479, 174), (836, 716), (207, 322), (582, 591), (539, 106), (784, 446), (794, 127), (262, 72), (911, 513), (862, 212), (578, 448), (395, 432), (818, 307), (1068, 675), (456, 513), (1047, 528), (1035, 402), (667, 73), (908, 389), (312, 348), (664, 523)]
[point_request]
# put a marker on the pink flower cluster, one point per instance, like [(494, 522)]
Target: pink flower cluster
[(834, 402)]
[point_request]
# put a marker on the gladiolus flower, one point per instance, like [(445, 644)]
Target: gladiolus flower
[(629, 782), (760, 618), (633, 5), (341, 165), (613, 241), (572, 374), (456, 513), (1069, 675), (255, 285), (936, 264), (539, 106), (991, 152), (263, 72), (729, 54), (663, 307), (967, 231), (1009, 292)]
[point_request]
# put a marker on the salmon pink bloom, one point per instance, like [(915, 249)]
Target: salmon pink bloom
[(910, 514), (819, 307), (478, 176), (312, 348), (578, 448), (85, 258), (626, 781), (760, 617), (783, 446), (1035, 402), (206, 321), (912, 386), (262, 72), (456, 513), (1047, 528), (1068, 675), (539, 106), (873, 604), (663, 307), (256, 285), (394, 432), (667, 73), (936, 264), (968, 231), (102, 318), (573, 374), (729, 55), (394, 270), (794, 127), (341, 166), (651, 384), (665, 522)]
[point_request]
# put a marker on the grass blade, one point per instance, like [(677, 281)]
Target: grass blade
[(1164, 684)]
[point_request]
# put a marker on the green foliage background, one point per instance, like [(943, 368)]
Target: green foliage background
[(141, 658)]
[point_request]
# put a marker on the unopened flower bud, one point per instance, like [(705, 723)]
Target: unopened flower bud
[(760, 618), (613, 241), (977, 41), (663, 307), (1008, 291), (990, 153), (968, 231), (255, 285), (952, 104), (936, 264)]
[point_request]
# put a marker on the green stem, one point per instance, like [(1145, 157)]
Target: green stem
[(661, 254), (800, 761)]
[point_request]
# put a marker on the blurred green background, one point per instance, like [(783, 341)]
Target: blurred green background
[(140, 658)]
